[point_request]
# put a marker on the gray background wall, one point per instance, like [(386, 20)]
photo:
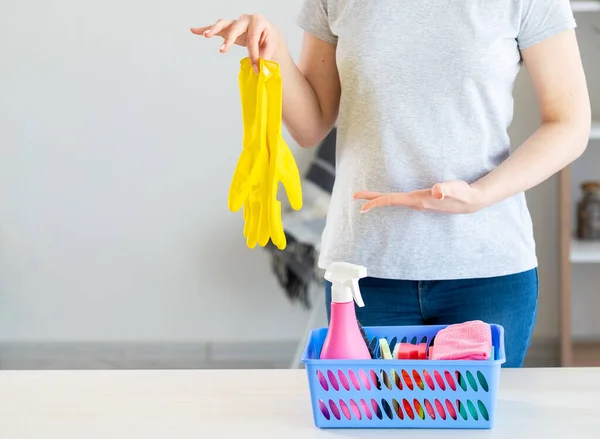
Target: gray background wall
[(119, 132)]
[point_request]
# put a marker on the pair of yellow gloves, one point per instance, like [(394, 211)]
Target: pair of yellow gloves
[(266, 158)]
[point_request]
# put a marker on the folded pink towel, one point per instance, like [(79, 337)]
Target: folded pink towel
[(464, 341)]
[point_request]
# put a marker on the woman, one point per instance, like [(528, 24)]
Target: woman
[(427, 196)]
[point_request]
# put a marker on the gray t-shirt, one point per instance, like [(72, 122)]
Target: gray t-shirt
[(427, 97)]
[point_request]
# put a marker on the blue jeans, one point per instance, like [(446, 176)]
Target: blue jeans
[(510, 301)]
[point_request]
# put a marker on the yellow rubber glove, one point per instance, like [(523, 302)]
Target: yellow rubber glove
[(256, 226), (253, 160), (249, 183), (265, 159), (282, 166)]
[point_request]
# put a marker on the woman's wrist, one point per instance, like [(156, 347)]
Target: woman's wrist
[(482, 194), (281, 54)]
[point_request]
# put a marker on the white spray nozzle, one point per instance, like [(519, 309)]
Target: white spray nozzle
[(344, 282)]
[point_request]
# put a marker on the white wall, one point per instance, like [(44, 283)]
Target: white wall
[(119, 131)]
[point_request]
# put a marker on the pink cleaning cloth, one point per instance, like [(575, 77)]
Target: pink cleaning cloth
[(464, 341)]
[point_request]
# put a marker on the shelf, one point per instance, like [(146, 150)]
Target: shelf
[(595, 132), (586, 354), (584, 252), (585, 6)]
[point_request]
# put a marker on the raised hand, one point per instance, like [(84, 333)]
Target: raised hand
[(254, 32)]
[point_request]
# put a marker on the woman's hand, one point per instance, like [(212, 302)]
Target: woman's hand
[(254, 32), (455, 196)]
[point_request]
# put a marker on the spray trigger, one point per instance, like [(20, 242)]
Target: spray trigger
[(356, 293)]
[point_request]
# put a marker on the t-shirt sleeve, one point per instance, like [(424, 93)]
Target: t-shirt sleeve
[(541, 19), (314, 19)]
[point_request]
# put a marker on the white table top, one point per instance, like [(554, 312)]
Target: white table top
[(551, 403)]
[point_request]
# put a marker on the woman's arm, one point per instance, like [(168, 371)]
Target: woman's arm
[(311, 91), (556, 72), (557, 76)]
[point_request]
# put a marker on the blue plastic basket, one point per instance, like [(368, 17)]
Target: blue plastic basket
[(403, 393)]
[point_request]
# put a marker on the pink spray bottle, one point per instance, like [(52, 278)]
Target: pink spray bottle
[(344, 340)]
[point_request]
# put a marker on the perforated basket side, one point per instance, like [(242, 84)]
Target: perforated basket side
[(372, 395), (403, 393)]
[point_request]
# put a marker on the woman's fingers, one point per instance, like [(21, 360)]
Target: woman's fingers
[(212, 30), (455, 196), (256, 29), (261, 39), (376, 199), (218, 28), (437, 191), (234, 31), (200, 30), (388, 200), (268, 45), (367, 195), (421, 199)]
